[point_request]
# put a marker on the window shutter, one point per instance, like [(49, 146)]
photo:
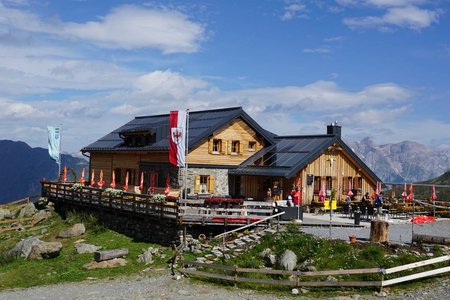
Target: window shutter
[(211, 184), (239, 147), (222, 147), (197, 184), (210, 145)]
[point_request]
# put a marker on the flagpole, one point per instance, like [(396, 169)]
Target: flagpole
[(186, 155), (60, 137)]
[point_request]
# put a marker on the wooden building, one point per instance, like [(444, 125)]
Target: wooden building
[(231, 155)]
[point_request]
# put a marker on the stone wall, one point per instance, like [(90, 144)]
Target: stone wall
[(140, 227), (220, 179)]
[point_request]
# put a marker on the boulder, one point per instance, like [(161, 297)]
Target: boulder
[(86, 248), (4, 212), (45, 250), (75, 230), (146, 257), (288, 260), (43, 214), (23, 248), (27, 211), (115, 262)]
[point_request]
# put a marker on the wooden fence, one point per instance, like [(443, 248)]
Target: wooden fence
[(297, 276), (191, 212), (20, 202)]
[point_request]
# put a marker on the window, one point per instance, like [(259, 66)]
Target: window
[(235, 147), (217, 146), (204, 184), (251, 146)]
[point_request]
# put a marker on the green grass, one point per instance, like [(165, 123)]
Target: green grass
[(325, 255), (68, 266)]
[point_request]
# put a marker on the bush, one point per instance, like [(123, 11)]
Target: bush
[(6, 257)]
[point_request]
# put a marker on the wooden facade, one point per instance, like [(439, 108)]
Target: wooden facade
[(237, 132), (334, 167)]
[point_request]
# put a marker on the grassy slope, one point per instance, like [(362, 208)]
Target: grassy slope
[(69, 265)]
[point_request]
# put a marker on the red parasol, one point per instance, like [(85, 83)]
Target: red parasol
[(167, 190), (322, 192), (411, 195), (350, 193), (100, 183), (93, 178), (141, 184), (433, 194), (82, 176), (404, 194), (152, 182), (125, 187), (113, 180), (65, 174), (298, 194)]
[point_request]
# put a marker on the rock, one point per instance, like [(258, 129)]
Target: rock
[(75, 230), (23, 248), (45, 250), (380, 294), (331, 279), (146, 257), (27, 211), (272, 259), (115, 262), (430, 254), (294, 291), (288, 260), (4, 212), (43, 214), (304, 291), (266, 252), (86, 248), (311, 269), (176, 277)]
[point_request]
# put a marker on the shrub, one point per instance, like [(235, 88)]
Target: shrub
[(6, 257)]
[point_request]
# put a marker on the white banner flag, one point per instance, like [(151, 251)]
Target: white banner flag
[(54, 142)]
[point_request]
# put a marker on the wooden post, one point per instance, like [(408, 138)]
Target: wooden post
[(379, 231)]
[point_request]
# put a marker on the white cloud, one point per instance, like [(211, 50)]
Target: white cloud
[(320, 50), (410, 17), (293, 10), (381, 3), (132, 27), (125, 27), (161, 84), (14, 110)]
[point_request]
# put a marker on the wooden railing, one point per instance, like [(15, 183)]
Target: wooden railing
[(192, 212), (123, 202), (232, 274)]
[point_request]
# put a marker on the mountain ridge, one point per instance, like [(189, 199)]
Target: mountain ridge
[(23, 167), (405, 161)]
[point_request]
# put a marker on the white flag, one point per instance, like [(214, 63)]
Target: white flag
[(54, 142)]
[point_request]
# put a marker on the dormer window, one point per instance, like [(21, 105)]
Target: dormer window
[(138, 138)]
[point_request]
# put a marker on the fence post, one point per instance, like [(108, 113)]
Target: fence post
[(235, 276)]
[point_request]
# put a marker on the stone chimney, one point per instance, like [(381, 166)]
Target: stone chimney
[(334, 129)]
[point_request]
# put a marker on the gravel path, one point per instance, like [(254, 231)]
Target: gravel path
[(162, 286)]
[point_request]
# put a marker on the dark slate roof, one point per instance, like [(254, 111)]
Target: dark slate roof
[(290, 154), (202, 124)]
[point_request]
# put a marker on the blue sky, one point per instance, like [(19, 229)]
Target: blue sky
[(381, 68)]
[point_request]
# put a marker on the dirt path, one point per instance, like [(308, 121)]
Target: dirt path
[(162, 286)]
